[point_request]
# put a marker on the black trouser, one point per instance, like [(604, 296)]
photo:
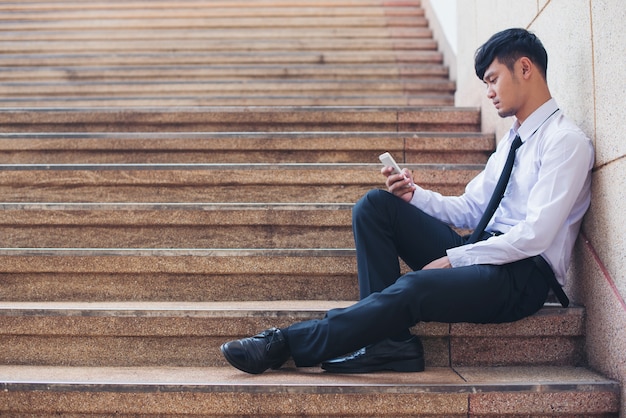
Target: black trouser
[(385, 228)]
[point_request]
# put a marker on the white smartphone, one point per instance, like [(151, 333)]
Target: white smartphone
[(388, 161)]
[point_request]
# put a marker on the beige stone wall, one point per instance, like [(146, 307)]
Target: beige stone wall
[(585, 40)]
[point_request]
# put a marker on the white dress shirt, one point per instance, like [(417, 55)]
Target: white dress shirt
[(543, 205)]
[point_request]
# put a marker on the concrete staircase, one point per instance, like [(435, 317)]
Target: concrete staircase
[(178, 174)]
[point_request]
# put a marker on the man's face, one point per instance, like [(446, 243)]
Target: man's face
[(503, 88)]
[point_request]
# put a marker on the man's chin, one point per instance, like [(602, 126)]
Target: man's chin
[(506, 113)]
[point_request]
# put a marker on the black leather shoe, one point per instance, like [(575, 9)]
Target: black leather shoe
[(259, 353), (399, 356)]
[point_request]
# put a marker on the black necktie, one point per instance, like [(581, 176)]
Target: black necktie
[(496, 197), (498, 192)]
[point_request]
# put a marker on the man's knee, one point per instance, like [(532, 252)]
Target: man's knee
[(371, 202)]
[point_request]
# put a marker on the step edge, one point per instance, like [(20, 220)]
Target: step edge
[(220, 308), (232, 166), (295, 381), (177, 252), (244, 109), (192, 206)]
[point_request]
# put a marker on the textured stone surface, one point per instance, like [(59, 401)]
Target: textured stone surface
[(606, 317), (215, 183), (245, 147), (217, 391), (176, 226), (131, 333), (253, 119)]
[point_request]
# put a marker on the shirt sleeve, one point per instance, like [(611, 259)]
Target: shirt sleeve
[(564, 162)]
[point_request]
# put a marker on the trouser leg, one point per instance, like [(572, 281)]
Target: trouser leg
[(478, 294), (385, 228)]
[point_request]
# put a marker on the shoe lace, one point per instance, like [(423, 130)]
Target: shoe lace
[(273, 338)]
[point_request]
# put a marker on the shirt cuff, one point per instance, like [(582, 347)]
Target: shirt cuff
[(419, 196), (458, 256)]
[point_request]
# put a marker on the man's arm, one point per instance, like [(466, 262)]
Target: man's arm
[(565, 162)]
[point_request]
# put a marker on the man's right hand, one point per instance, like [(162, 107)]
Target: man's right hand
[(400, 185)]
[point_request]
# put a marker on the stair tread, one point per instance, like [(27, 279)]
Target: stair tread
[(178, 308), (163, 182), (246, 147), (241, 118), (279, 111), (187, 9), (243, 72), (44, 206), (248, 100), (156, 138), (433, 379), (244, 307), (189, 334), (168, 252), (549, 321), (213, 45), (247, 141), (289, 392), (72, 4), (367, 168), (206, 58), (179, 213)]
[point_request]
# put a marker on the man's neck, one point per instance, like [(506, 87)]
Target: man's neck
[(535, 102)]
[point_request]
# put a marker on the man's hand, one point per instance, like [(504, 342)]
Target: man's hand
[(440, 263), (400, 185)]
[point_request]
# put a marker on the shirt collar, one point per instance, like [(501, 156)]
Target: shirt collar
[(535, 120)]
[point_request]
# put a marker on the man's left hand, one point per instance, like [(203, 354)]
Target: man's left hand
[(440, 263)]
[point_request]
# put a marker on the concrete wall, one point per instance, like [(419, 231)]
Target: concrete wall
[(585, 40), (441, 16)]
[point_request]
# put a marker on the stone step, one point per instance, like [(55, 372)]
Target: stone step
[(229, 100), (191, 22), (126, 334), (242, 119), (214, 391), (536, 391), (245, 147), (177, 274), (229, 92), (214, 183), (228, 34), (181, 9), (124, 59), (48, 46), (176, 226), (234, 87), (189, 72), (193, 4)]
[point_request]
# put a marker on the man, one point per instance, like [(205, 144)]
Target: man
[(505, 276)]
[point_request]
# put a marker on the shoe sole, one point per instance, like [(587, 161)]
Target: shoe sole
[(405, 366)]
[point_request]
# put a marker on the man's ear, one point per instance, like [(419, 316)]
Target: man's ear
[(526, 66)]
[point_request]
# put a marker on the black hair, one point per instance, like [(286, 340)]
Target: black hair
[(508, 46)]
